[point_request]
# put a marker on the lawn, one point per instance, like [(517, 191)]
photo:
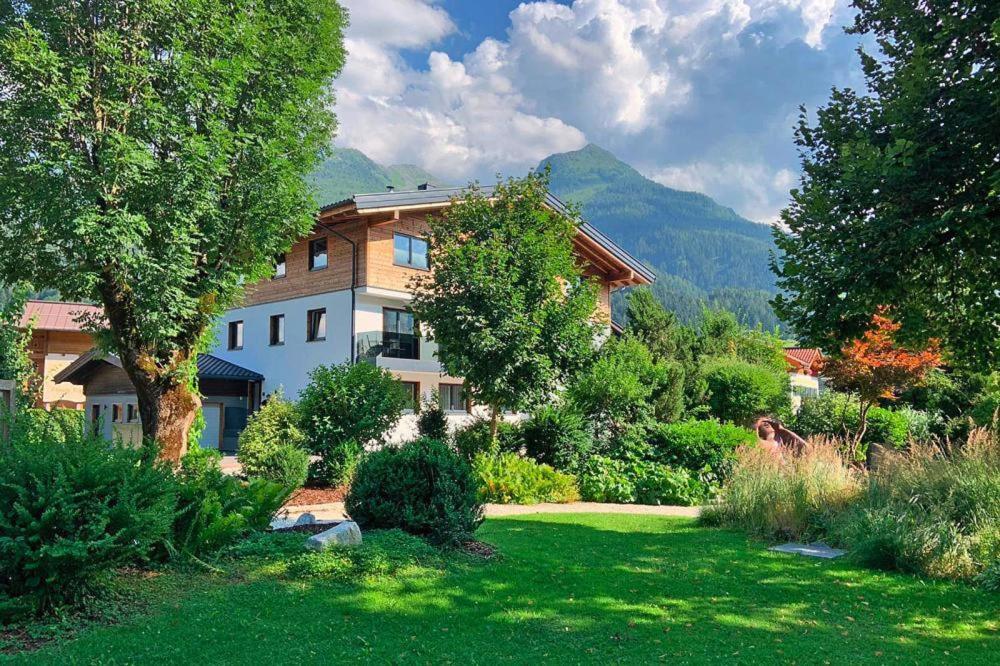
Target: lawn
[(568, 589)]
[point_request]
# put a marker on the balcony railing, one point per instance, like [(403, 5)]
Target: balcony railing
[(388, 345)]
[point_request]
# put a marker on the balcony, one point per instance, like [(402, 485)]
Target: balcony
[(388, 345)]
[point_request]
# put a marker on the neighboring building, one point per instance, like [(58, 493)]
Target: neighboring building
[(804, 366), (229, 394), (342, 293), (57, 340)]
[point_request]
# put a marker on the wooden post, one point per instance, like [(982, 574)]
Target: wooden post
[(8, 403)]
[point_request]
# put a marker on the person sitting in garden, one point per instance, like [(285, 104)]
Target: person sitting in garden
[(772, 435)]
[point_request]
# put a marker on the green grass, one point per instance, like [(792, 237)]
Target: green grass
[(568, 589)]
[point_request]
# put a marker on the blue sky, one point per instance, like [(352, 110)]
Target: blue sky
[(696, 94)]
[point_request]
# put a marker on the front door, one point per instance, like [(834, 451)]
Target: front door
[(211, 437)]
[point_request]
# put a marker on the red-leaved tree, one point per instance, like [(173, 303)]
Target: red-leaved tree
[(876, 368)]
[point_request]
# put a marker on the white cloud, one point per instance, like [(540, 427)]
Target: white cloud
[(660, 82)]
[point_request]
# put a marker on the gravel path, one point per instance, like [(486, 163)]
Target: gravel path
[(335, 510)]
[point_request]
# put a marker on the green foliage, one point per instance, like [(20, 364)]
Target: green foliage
[(15, 362), (72, 509), (936, 516), (705, 448), (474, 438), (835, 414), (160, 185), (696, 246), (507, 303), (215, 509), (604, 479), (721, 335), (39, 425), (422, 487), (343, 409), (507, 478), (383, 553), (898, 200), (272, 444), (619, 387), (740, 392), (558, 436), (432, 421)]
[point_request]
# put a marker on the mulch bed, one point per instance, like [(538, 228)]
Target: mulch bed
[(479, 549), (320, 495), (310, 528)]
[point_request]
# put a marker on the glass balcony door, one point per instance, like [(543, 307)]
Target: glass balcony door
[(400, 338)]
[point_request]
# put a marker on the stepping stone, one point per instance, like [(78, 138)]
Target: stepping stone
[(810, 550)]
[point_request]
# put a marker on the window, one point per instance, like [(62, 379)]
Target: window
[(316, 325), (116, 413), (95, 418), (131, 413), (409, 251), (277, 336), (280, 267), (317, 254), (236, 335), (399, 334), (412, 394), (452, 397)]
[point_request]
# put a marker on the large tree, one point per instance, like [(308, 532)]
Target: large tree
[(152, 157), (507, 303), (899, 202)]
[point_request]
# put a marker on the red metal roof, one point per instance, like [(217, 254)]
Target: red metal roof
[(804, 356), (56, 315)]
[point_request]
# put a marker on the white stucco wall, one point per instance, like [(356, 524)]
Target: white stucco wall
[(288, 365)]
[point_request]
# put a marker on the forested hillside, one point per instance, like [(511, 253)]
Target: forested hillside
[(704, 253), (348, 171)]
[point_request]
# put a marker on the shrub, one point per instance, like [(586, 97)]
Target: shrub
[(422, 487), (706, 448), (931, 514), (619, 387), (779, 497), (39, 425), (886, 427), (604, 479), (835, 414), (216, 509), (740, 392), (557, 436), (271, 445), (432, 421), (507, 478), (71, 511), (474, 438), (345, 408)]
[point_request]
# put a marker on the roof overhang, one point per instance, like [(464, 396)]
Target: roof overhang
[(619, 267), (209, 367)]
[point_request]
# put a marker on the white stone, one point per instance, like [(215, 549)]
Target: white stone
[(346, 533), (809, 550), (306, 519)]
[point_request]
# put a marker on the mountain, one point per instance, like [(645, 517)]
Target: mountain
[(348, 171), (703, 252)]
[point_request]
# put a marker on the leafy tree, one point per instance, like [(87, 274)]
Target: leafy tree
[(875, 368), (721, 335), (152, 157), (741, 392), (506, 303), (898, 201), (15, 363)]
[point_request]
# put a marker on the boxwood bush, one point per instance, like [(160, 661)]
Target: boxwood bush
[(706, 448), (557, 436), (422, 487), (507, 478), (272, 445)]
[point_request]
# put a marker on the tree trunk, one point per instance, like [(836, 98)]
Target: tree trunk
[(862, 427), (494, 424), (167, 407)]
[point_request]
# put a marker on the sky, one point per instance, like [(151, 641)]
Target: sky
[(698, 95)]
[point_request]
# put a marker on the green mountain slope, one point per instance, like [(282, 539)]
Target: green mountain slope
[(348, 171), (704, 253)]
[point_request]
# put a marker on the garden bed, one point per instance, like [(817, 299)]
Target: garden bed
[(319, 495)]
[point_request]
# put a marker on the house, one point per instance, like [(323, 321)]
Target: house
[(804, 366), (341, 294), (57, 339), (229, 394)]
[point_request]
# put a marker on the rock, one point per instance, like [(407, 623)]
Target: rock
[(306, 519), (342, 534)]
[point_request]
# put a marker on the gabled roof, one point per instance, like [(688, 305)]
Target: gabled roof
[(209, 367), (436, 197), (57, 315), (806, 357)]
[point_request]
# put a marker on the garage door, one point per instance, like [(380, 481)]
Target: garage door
[(211, 436)]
